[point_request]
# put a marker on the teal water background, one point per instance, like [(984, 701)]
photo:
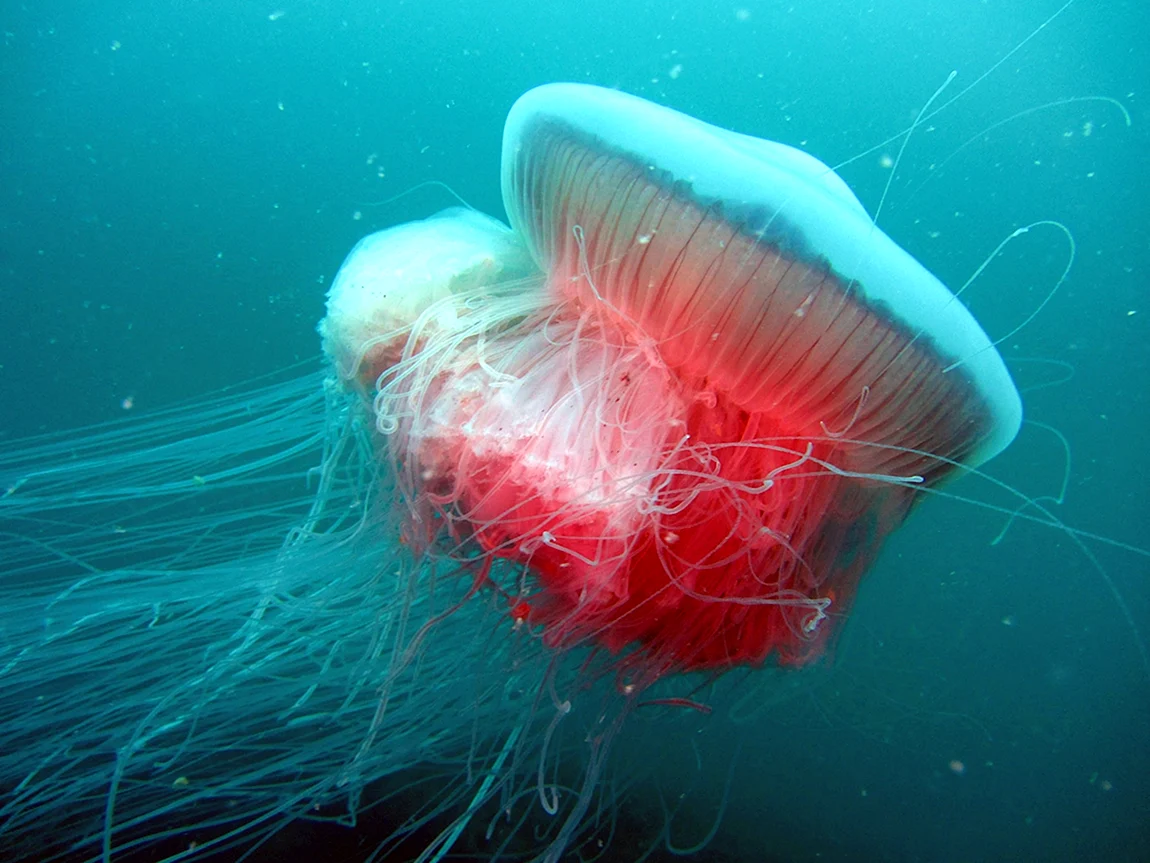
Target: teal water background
[(180, 180)]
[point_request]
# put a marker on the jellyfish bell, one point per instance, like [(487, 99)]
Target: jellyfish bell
[(391, 278), (727, 390), (705, 220)]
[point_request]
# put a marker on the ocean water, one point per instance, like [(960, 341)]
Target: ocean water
[(179, 182)]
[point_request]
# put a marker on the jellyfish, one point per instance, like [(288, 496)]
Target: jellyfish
[(657, 427), (695, 427)]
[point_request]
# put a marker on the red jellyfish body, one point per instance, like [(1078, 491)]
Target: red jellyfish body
[(690, 391)]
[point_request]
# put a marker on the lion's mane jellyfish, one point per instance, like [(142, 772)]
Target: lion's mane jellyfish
[(661, 423), (688, 394)]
